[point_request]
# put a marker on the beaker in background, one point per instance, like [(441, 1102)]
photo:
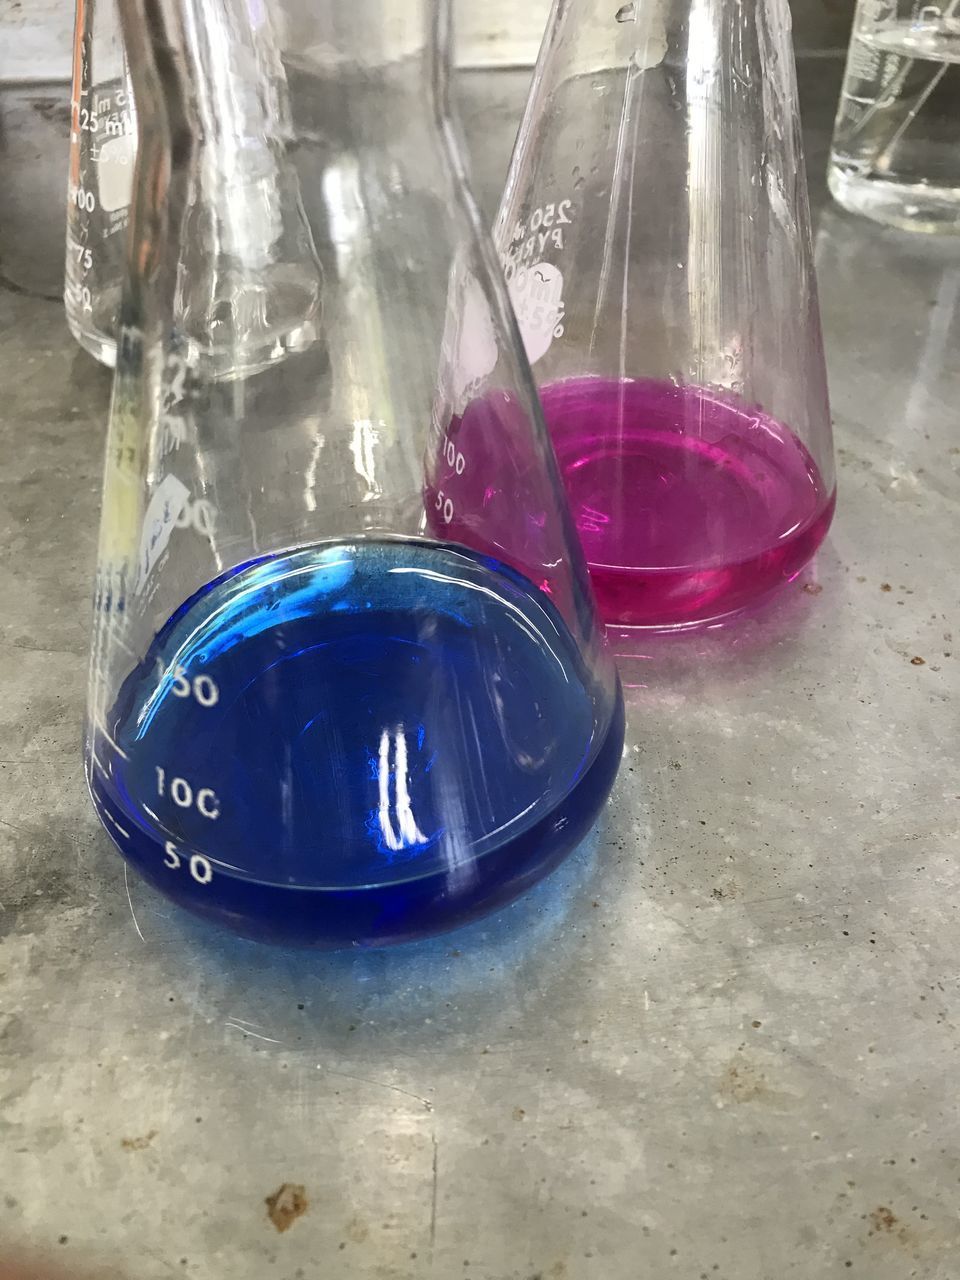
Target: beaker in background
[(248, 279), (102, 156), (308, 720), (655, 232), (895, 155)]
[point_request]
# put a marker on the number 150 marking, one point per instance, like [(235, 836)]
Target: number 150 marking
[(202, 687)]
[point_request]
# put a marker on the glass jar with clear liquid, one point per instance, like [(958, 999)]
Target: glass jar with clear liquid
[(896, 143)]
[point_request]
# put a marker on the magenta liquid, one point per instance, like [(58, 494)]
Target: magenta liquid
[(690, 505)]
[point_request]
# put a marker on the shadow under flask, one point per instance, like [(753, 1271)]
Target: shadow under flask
[(655, 233), (347, 684)]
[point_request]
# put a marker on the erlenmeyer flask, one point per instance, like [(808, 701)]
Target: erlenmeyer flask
[(655, 233), (314, 715), (102, 154)]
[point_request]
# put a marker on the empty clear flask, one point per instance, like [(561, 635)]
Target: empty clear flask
[(656, 237), (347, 683), (896, 143), (102, 155)]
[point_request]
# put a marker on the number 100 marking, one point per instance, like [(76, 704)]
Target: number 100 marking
[(183, 795), (454, 457)]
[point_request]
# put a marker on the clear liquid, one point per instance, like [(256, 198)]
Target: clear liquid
[(896, 145), (690, 507), (356, 742)]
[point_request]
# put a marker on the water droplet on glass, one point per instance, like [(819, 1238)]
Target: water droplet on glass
[(626, 13)]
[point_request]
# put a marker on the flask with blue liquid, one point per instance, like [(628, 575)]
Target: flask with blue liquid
[(347, 683)]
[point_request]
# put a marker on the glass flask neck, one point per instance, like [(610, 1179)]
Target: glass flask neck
[(383, 65), (370, 34), (186, 40), (596, 35), (232, 92)]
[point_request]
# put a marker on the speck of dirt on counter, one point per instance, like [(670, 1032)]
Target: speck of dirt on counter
[(64, 1240), (138, 1144), (917, 661), (883, 1219), (885, 586), (756, 1023), (812, 588), (286, 1205)]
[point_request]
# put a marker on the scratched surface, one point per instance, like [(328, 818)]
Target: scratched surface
[(720, 1043)]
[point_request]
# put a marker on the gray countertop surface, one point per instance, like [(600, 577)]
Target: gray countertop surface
[(720, 1044)]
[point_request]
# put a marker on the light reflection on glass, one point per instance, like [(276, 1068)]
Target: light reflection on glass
[(406, 832)]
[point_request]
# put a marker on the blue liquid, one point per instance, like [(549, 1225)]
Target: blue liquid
[(356, 743)]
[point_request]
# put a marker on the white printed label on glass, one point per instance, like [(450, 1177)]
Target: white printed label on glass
[(477, 350), (537, 296), (115, 171), (164, 510)]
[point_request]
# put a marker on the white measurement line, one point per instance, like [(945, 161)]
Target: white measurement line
[(112, 819), (98, 724), (117, 640)]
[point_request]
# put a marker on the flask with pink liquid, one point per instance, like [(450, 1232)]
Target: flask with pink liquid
[(655, 234)]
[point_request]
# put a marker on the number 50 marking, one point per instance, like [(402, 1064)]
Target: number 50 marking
[(445, 506), (200, 867)]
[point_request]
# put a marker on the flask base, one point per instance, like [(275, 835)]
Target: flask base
[(692, 506), (908, 206), (356, 743), (102, 346)]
